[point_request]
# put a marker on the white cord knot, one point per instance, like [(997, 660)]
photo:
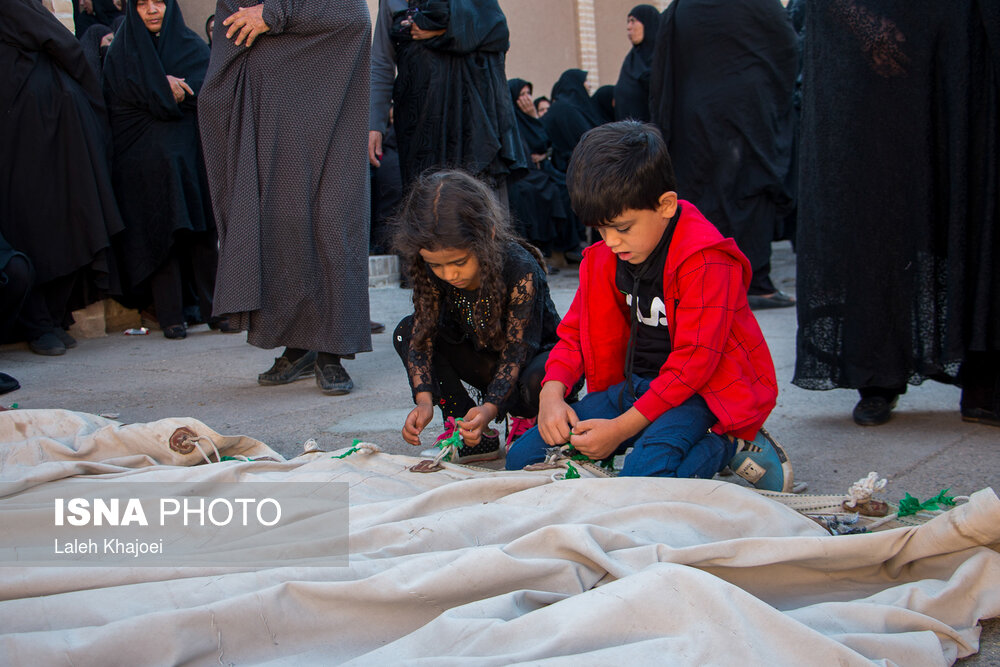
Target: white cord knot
[(864, 489)]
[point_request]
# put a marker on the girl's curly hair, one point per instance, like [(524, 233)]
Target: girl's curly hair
[(451, 209)]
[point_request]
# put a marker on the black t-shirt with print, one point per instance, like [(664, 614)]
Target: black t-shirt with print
[(644, 282)]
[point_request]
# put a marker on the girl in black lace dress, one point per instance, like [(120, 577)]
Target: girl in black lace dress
[(482, 313)]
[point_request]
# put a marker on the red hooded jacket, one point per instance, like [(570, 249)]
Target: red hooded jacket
[(717, 348)]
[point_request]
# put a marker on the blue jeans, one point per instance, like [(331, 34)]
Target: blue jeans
[(677, 444)]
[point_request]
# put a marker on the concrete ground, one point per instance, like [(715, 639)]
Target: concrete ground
[(212, 377)]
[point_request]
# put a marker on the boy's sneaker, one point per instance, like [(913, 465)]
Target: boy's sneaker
[(763, 463), (517, 427)]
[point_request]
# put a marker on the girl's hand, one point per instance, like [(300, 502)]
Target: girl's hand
[(247, 23), (597, 438), (475, 422), (416, 422), (555, 417), (179, 88)]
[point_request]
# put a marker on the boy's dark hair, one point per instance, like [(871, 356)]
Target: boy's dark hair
[(618, 166)]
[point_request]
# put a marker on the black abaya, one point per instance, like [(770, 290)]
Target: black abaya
[(56, 201), (450, 93), (571, 114), (722, 92), (536, 204), (159, 174), (632, 89), (897, 235)]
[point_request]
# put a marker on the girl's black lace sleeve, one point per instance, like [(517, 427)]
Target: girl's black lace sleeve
[(523, 335), (421, 373)]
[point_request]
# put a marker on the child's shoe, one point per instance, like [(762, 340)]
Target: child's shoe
[(488, 448), (450, 426), (517, 427), (763, 463)]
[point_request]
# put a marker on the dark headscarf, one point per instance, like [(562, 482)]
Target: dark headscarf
[(137, 64), (533, 134), (571, 89), (572, 113), (604, 98), (632, 89), (91, 43)]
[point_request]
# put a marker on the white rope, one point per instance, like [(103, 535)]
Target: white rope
[(448, 449), (195, 440), (369, 447), (864, 489)]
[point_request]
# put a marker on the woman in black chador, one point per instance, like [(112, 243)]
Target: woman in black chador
[(56, 202), (539, 202), (898, 235), (572, 113), (632, 89), (152, 75), (449, 91), (721, 90)]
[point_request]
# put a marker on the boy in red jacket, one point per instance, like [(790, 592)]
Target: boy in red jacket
[(675, 363)]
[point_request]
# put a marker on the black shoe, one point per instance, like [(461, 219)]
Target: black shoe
[(776, 299), (981, 416), (221, 324), (64, 336), (8, 384), (377, 327), (573, 256), (175, 331), (284, 371), (333, 379), (874, 410), (47, 344), (488, 449)]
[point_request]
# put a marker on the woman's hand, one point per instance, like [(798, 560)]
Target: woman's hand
[(475, 422), (179, 88), (375, 148), (416, 32), (525, 104), (247, 23), (416, 421)]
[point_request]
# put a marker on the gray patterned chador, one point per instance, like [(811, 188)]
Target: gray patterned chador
[(284, 125)]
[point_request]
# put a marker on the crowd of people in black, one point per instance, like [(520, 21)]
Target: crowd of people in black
[(112, 188)]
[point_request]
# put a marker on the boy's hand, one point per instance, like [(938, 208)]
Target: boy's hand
[(597, 438), (416, 421), (475, 422), (555, 417)]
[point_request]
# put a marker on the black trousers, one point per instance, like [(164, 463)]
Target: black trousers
[(193, 261), (47, 307), (458, 361)]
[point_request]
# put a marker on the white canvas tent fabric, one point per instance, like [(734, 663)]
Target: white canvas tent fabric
[(476, 568)]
